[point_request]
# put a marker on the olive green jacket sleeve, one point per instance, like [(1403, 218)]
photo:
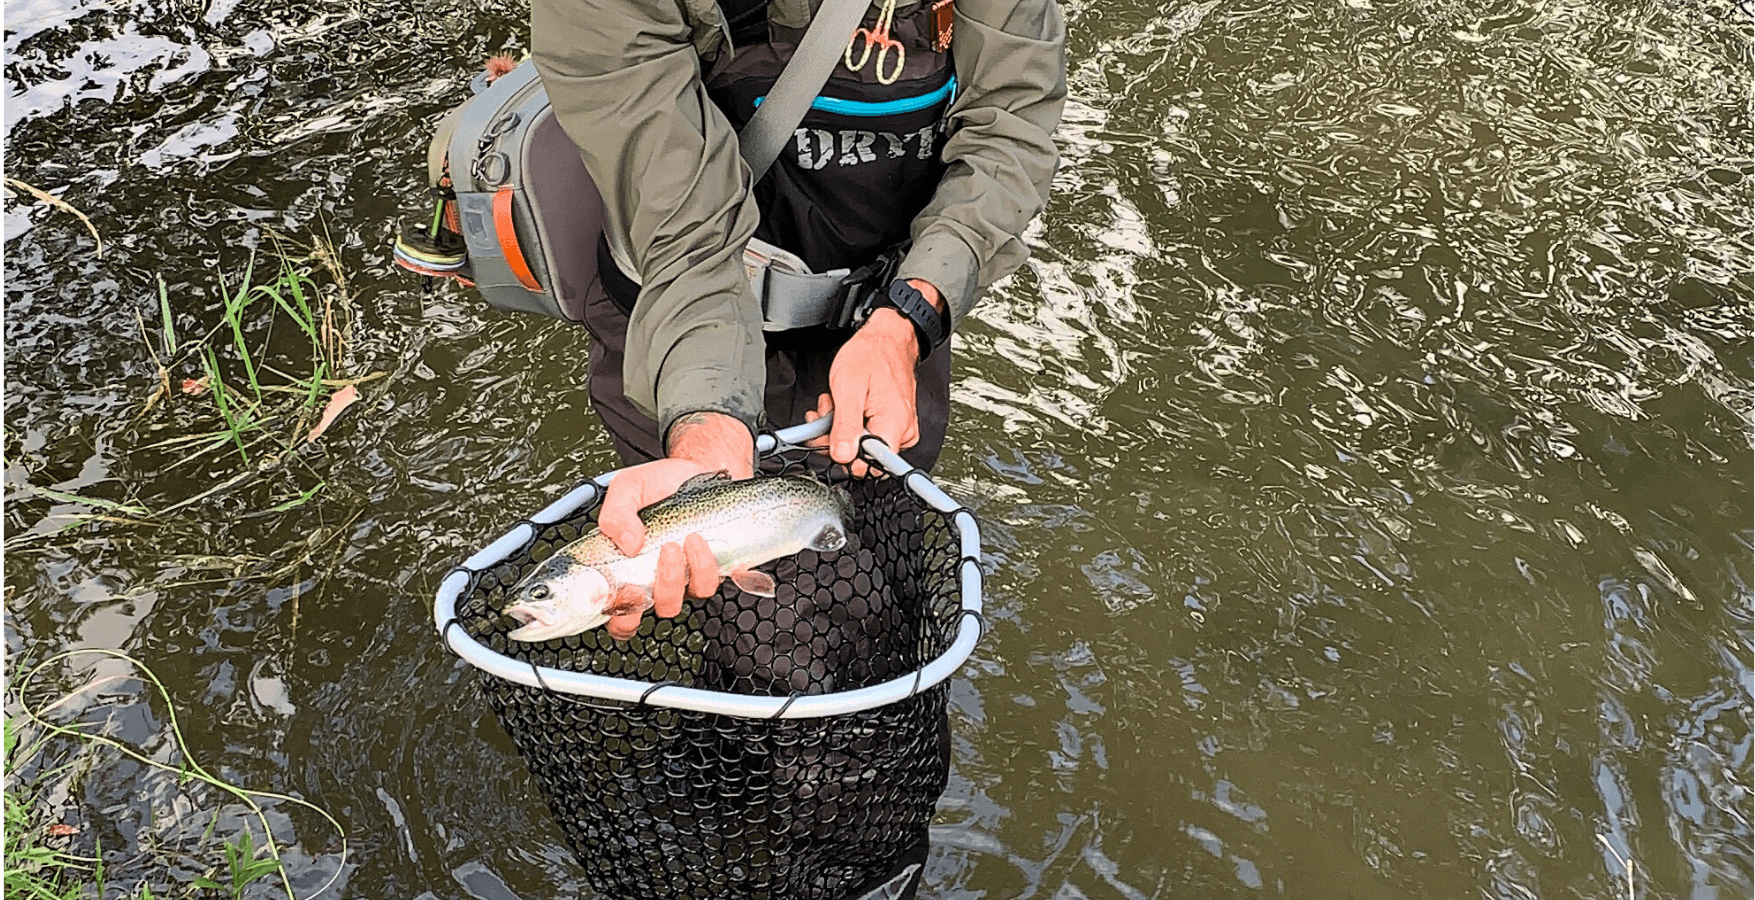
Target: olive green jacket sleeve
[(1011, 87), (624, 77)]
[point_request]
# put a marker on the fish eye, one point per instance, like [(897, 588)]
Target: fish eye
[(540, 592)]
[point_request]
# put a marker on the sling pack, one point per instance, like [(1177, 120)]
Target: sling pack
[(517, 216)]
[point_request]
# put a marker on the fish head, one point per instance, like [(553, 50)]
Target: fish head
[(559, 600)]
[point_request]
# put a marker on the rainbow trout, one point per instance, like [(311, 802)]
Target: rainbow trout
[(745, 523)]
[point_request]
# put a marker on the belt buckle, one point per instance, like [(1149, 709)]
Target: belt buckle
[(864, 285)]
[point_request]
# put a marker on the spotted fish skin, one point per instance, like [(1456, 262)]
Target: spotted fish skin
[(745, 523)]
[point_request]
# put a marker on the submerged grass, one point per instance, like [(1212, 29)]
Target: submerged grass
[(243, 386), (38, 864)]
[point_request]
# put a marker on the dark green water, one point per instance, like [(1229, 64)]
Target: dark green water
[(1364, 457)]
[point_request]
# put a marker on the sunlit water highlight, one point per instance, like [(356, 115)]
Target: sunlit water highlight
[(1364, 456)]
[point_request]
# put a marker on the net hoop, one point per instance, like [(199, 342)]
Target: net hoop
[(602, 687)]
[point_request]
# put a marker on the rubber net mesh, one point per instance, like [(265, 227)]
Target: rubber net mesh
[(660, 802)]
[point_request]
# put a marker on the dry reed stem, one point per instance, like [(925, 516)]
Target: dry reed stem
[(1625, 863), (326, 382), (335, 339), (182, 439), (221, 441), (98, 517), (59, 203), (164, 374)]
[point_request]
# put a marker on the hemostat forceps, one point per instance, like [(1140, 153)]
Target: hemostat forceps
[(879, 34)]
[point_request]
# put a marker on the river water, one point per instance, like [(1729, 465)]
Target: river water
[(1364, 457)]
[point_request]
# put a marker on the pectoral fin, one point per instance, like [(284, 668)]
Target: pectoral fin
[(628, 598), (752, 582)]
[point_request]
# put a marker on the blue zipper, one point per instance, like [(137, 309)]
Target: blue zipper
[(842, 107)]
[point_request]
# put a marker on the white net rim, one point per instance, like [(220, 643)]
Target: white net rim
[(667, 694)]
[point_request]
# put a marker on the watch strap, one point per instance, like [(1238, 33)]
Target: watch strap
[(929, 323)]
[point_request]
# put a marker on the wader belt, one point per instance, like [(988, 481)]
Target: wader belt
[(790, 300)]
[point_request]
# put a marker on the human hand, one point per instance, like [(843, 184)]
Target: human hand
[(871, 383), (699, 444)]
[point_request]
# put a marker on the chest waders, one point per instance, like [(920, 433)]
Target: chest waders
[(839, 199)]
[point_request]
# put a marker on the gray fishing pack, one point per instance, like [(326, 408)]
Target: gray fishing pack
[(516, 215)]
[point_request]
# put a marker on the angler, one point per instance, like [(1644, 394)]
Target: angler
[(746, 250)]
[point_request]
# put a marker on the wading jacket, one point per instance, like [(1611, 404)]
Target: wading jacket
[(629, 81)]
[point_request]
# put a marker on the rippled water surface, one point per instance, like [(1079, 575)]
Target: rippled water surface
[(1364, 455)]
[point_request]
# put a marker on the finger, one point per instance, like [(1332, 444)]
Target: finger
[(892, 425), (825, 405), (667, 584), (703, 568), (624, 626), (844, 433), (619, 517)]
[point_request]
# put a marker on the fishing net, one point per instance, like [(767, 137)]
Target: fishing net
[(730, 799)]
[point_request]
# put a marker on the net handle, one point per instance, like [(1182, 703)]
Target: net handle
[(969, 628)]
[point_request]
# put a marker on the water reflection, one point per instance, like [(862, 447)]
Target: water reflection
[(1364, 459)]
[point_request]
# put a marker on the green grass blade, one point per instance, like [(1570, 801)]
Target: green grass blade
[(249, 272), (257, 869), (316, 385), (218, 389), (304, 322), (98, 865), (164, 308), (234, 316), (295, 284), (29, 883), (301, 499)]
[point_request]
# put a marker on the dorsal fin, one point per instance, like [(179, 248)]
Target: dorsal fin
[(697, 483), (703, 480)]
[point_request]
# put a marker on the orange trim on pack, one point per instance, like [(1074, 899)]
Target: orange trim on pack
[(509, 239)]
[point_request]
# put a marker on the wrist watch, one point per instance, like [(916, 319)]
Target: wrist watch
[(929, 324)]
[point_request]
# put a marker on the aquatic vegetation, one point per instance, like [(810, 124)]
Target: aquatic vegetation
[(242, 866), (55, 202), (235, 372), (37, 864), (243, 384), (46, 758)]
